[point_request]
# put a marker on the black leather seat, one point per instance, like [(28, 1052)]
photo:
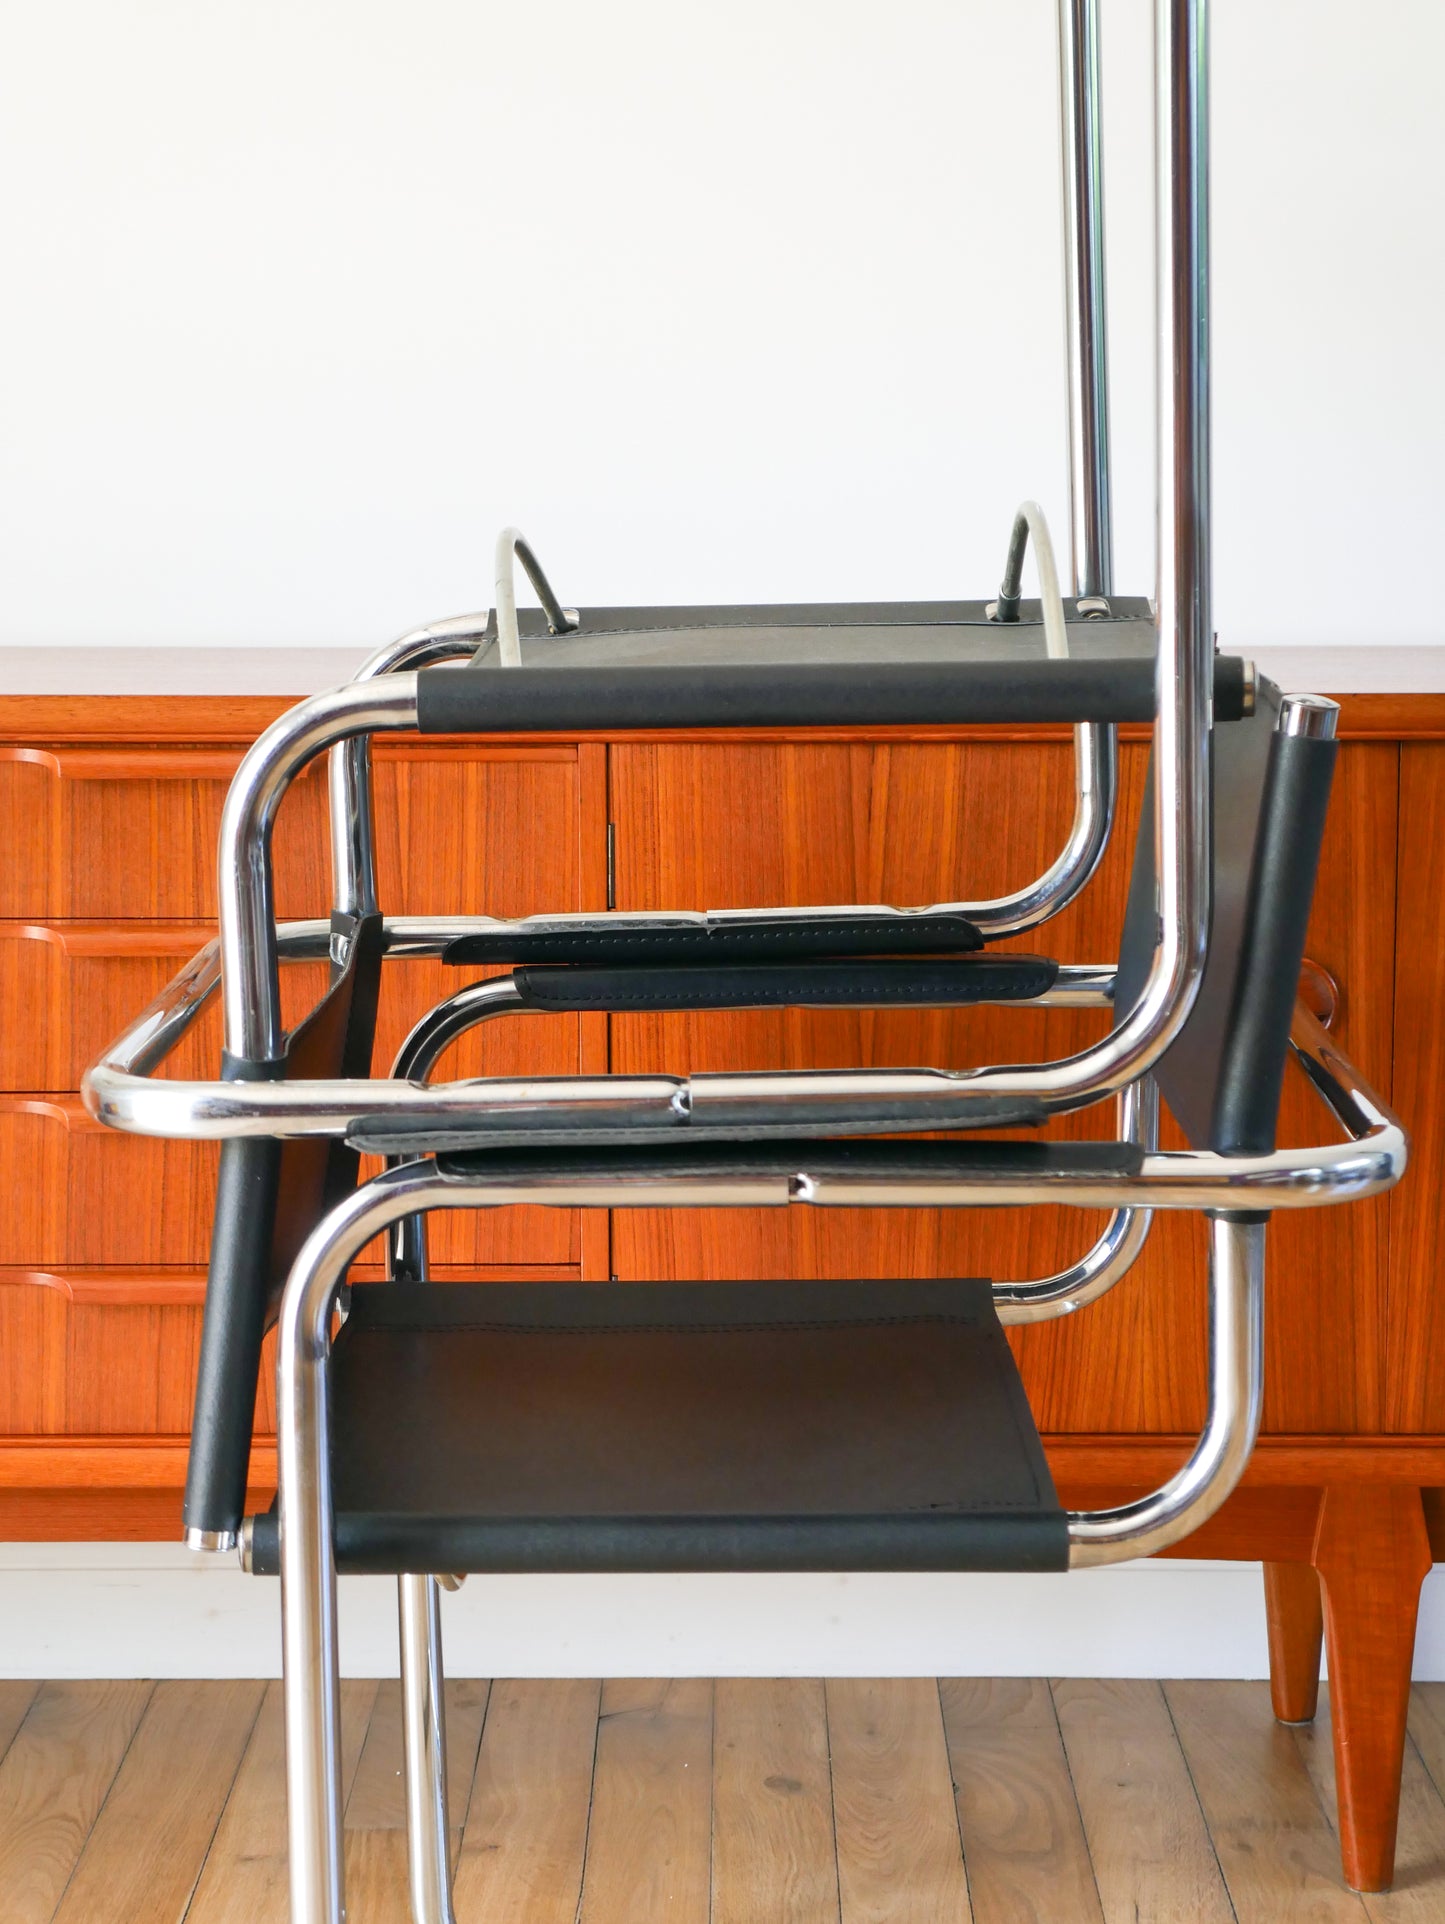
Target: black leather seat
[(689, 1426)]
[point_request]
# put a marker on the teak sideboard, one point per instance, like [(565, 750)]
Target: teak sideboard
[(110, 809)]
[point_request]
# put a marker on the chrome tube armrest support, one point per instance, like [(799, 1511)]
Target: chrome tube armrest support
[(1036, 1300), (120, 1091)]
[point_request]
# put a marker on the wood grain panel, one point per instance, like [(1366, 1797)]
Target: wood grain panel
[(526, 1828), (1023, 1838), (724, 826), (68, 990), (85, 1195), (1271, 1835), (80, 1193), (131, 833), (144, 1856), (245, 1876), (649, 1844), (1148, 1844), (124, 833), (492, 833), (773, 1852), (32, 1360), (899, 1856), (52, 1784), (1415, 1322)]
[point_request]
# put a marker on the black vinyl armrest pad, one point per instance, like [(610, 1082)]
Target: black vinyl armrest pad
[(684, 1159), (730, 1123), (888, 984), (581, 700), (764, 939)]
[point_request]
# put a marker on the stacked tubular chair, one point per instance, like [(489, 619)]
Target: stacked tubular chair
[(482, 1427)]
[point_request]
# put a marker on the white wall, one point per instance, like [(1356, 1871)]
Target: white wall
[(154, 1610), (749, 299), (743, 300)]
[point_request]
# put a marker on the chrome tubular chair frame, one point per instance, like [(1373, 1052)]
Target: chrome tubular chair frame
[(1036, 1300), (308, 1576), (121, 1091), (388, 701)]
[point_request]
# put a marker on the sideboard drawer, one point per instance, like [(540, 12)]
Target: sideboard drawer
[(124, 833), (120, 834), (81, 1195), (68, 989), (78, 1193)]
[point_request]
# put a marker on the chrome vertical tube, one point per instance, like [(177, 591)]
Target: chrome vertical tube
[(1183, 851), (309, 1657), (353, 851), (1236, 1395), (1090, 503), (1086, 336), (308, 1566), (424, 1738), (250, 993)]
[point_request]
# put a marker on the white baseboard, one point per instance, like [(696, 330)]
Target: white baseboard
[(150, 1610)]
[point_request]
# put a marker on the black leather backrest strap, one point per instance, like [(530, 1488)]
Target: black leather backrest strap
[(268, 1196), (1223, 1074), (860, 984), (762, 938)]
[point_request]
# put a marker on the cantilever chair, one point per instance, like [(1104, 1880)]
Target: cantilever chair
[(429, 1432)]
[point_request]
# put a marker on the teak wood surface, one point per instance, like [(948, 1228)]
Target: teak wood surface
[(111, 807)]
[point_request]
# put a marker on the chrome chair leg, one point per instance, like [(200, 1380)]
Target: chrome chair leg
[(423, 1716), (309, 1647), (308, 1612)]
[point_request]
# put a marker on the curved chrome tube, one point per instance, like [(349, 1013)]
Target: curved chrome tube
[(249, 989), (1034, 1301), (1116, 1251), (1236, 1395), (248, 946), (406, 1255), (353, 842), (1096, 781), (308, 1578), (117, 1094), (1096, 753), (512, 544)]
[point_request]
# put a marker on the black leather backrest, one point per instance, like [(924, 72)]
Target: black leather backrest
[(1222, 1076), (269, 1195)]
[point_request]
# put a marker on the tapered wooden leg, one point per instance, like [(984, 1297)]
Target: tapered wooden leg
[(1372, 1553), (1294, 1611)]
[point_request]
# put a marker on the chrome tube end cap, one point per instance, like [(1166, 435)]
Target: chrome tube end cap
[(1309, 717), (217, 1541)]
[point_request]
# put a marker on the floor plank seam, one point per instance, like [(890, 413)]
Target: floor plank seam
[(1074, 1792), (712, 1802), (454, 1822), (832, 1797), (21, 1720), (953, 1785), (591, 1805), (221, 1807), (114, 1776), (1199, 1802)]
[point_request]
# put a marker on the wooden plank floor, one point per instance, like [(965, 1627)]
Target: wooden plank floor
[(736, 1802)]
